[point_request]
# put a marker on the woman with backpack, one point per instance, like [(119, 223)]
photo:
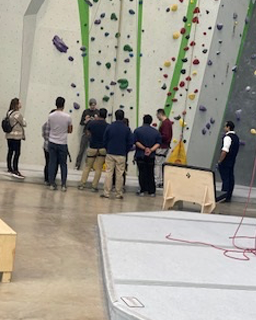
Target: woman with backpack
[(14, 138)]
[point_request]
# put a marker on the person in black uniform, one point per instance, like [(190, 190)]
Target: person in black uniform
[(226, 163)]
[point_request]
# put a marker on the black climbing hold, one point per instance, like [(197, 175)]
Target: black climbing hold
[(98, 63), (132, 12), (184, 60), (183, 71), (113, 17), (185, 19)]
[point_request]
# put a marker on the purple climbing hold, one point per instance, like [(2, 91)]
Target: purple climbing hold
[(70, 58), (208, 126), (102, 15), (242, 143), (235, 15), (209, 62), (202, 108), (83, 48), (112, 83), (73, 85), (204, 131), (78, 94), (97, 21), (131, 11), (76, 106), (212, 121), (127, 60), (129, 90), (59, 44), (84, 54), (219, 26)]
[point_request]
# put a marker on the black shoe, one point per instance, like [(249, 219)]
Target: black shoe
[(103, 196)]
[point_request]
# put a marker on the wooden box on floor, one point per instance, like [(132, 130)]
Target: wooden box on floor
[(7, 251), (192, 184)]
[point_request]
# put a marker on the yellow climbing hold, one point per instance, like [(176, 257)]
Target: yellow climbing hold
[(182, 123), (253, 131), (255, 72), (191, 96), (194, 73), (174, 7), (189, 24), (167, 64), (174, 140), (176, 35)]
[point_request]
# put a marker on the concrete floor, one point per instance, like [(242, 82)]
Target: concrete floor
[(57, 272)]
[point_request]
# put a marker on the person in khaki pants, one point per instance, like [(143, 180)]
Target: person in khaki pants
[(96, 153), (118, 141)]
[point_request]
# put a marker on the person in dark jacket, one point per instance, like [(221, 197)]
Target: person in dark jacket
[(147, 140), (118, 141), (87, 116), (226, 163)]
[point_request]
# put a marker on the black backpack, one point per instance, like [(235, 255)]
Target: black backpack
[(6, 124)]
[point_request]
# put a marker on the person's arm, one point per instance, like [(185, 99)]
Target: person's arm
[(20, 120), (225, 149), (70, 126), (105, 138), (82, 122), (140, 146)]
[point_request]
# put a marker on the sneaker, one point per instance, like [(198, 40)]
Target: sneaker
[(81, 186), (53, 187), (47, 183), (94, 189), (77, 167), (119, 197), (63, 188), (152, 195), (140, 194), (17, 174), (104, 196)]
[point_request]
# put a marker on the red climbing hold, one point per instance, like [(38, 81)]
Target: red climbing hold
[(205, 33), (165, 75), (196, 91), (182, 30), (181, 1), (192, 43), (169, 94), (174, 100), (182, 84), (188, 78), (173, 59), (154, 124), (184, 112), (176, 89), (195, 20), (186, 48), (197, 10), (196, 61)]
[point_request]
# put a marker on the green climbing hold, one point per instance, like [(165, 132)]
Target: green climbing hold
[(128, 48), (123, 84), (95, 1), (105, 98), (113, 17), (108, 65), (118, 35)]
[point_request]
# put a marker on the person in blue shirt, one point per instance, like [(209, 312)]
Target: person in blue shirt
[(147, 140), (118, 141)]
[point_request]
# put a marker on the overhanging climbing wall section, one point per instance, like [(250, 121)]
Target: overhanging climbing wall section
[(221, 65)]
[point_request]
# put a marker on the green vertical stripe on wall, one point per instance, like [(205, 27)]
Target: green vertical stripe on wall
[(84, 12), (140, 15), (182, 53), (246, 28)]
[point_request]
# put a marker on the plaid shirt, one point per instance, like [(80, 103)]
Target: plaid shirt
[(45, 135)]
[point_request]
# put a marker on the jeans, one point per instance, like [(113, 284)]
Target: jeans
[(46, 168), (58, 155), (83, 146), (13, 149), (95, 159), (228, 179), (146, 174)]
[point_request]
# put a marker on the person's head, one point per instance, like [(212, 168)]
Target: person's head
[(160, 113), (229, 126), (103, 113), (15, 104), (92, 104), (119, 114), (147, 119), (60, 103)]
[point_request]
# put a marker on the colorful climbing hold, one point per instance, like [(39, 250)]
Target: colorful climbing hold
[(167, 64), (191, 96)]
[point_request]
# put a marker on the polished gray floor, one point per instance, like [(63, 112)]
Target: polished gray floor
[(57, 272)]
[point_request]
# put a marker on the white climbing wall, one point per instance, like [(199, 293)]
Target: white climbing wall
[(30, 63)]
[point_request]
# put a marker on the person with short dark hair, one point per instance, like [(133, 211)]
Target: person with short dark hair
[(226, 163), (118, 141), (87, 116), (60, 124), (165, 130), (14, 138), (147, 140), (96, 152)]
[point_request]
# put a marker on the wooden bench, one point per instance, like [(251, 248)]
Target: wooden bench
[(187, 183), (7, 251)]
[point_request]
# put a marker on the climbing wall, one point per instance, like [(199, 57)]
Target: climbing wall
[(241, 107), (179, 55)]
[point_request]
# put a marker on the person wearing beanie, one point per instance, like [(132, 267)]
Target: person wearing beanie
[(87, 116)]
